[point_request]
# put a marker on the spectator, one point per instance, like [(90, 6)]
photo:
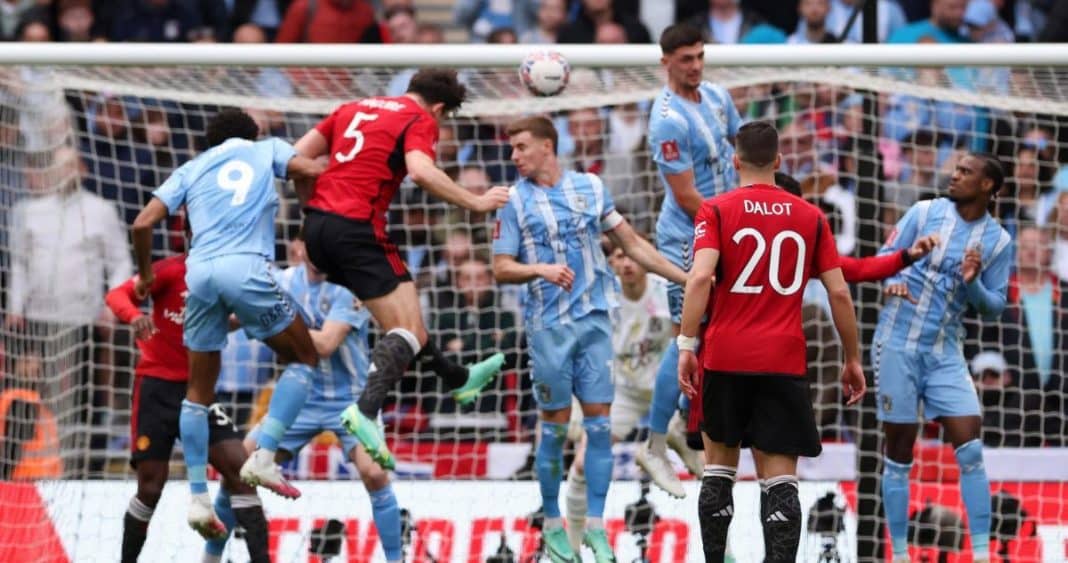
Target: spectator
[(448, 150), (610, 33), (247, 365), (403, 29), (813, 28), (1018, 201), (918, 179), (1058, 221), (947, 17), (595, 12), (329, 21), (33, 28), (1003, 407), (265, 14), (74, 19), (623, 171), (119, 170), (474, 179), (891, 18), (156, 21), (552, 15), (270, 82), (471, 322), (215, 18), (502, 36), (482, 17), (429, 34), (12, 13), (400, 22), (984, 25), (29, 436), (727, 22)]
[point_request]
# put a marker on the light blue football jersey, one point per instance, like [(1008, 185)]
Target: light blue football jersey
[(685, 135), (343, 375), (560, 225), (230, 196), (934, 324)]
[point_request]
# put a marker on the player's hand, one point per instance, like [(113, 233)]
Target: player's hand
[(971, 265), (492, 200), (900, 290), (143, 327), (142, 287), (558, 274), (853, 383), (923, 247), (689, 373)]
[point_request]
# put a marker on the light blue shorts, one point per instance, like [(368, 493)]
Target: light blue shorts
[(314, 418), (573, 358), (242, 284), (680, 253), (904, 378)]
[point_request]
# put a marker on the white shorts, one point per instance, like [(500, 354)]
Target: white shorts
[(630, 408)]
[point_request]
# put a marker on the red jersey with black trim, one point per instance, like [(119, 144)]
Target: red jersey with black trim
[(163, 356), (368, 140), (770, 244)]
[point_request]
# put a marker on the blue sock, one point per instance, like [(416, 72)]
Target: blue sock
[(288, 398), (193, 431), (549, 465), (665, 390), (387, 521), (225, 512), (975, 491), (598, 463), (896, 503)]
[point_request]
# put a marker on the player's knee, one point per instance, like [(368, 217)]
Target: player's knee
[(374, 478), (149, 491), (970, 457), (235, 486)]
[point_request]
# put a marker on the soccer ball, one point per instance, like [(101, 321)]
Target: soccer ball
[(545, 73)]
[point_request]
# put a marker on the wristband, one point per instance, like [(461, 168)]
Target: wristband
[(686, 343), (906, 258)]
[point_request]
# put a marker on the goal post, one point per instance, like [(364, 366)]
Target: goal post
[(866, 129)]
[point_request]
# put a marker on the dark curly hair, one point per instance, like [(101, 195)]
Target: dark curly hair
[(438, 85), (229, 123)]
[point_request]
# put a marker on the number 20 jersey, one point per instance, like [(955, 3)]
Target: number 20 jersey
[(770, 244), (368, 140)]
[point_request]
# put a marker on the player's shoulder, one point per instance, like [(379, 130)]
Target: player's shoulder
[(665, 112), (716, 91)]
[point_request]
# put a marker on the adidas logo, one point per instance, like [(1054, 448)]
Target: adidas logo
[(778, 516), (725, 512)]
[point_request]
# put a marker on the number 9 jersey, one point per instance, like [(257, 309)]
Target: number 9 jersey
[(770, 243)]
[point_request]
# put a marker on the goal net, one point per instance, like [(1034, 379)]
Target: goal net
[(864, 142)]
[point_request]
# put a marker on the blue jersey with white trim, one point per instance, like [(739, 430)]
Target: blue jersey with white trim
[(230, 196), (933, 325), (343, 375), (685, 135), (561, 224)]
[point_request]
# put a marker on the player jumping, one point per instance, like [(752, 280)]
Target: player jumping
[(548, 237), (765, 244), (372, 144), (916, 350), (691, 127), (231, 202), (159, 386)]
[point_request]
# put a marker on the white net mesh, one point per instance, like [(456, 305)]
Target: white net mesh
[(866, 143)]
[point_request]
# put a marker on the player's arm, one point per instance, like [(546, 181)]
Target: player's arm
[(141, 232), (685, 192), (313, 144), (126, 305), (842, 312), (877, 268), (329, 338), (696, 295), (426, 174), (987, 289), (506, 269), (641, 250), (671, 153)]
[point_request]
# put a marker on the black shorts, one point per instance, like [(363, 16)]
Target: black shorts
[(351, 254), (157, 403), (772, 413)]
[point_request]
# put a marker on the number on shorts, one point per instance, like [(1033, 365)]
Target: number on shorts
[(236, 176), (221, 418), (741, 285), (353, 132)]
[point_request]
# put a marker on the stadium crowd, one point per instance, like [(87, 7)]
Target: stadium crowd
[(79, 204)]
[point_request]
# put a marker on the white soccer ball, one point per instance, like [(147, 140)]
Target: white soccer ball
[(545, 73)]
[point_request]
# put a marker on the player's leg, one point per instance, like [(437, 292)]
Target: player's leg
[(896, 372), (728, 403), (151, 476), (384, 507), (227, 454), (780, 507)]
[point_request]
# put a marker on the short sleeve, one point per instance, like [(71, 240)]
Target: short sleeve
[(734, 119), (326, 126), (422, 135), (506, 231), (669, 141), (706, 228), (343, 308), (610, 218), (826, 249), (906, 230), (173, 191), (282, 153)]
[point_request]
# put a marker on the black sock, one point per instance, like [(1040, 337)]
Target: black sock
[(715, 508), (135, 529), (454, 375), (780, 513), (389, 361), (249, 515)]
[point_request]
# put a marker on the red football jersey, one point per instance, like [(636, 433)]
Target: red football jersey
[(368, 140), (770, 243), (163, 356)]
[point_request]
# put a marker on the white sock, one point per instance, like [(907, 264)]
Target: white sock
[(658, 443), (552, 523), (209, 558), (140, 510), (594, 523)]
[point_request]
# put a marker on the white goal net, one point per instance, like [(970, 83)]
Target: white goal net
[(864, 142)]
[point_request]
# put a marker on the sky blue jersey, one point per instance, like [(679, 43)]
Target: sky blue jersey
[(934, 324), (685, 135), (230, 196), (344, 374), (561, 224)]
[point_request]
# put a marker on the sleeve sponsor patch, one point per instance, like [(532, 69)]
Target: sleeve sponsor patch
[(497, 230), (670, 150)]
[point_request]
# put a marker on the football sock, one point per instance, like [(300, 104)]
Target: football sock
[(548, 464), (598, 463), (248, 511), (715, 508), (781, 515), (453, 374), (975, 491), (193, 430), (577, 504), (135, 529), (665, 390), (386, 514), (389, 361), (896, 504), (288, 398)]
